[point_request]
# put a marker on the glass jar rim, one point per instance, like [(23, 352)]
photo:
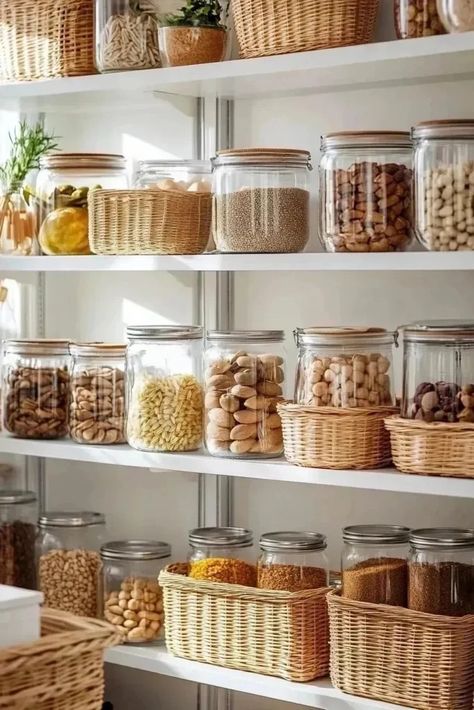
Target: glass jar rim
[(65, 519), (107, 161), (245, 335), (288, 541), (438, 330), (265, 157), (135, 550), (194, 165), (445, 128), (447, 538), (164, 332), (42, 346), (220, 537), (344, 336), (14, 497), (369, 139), (375, 534), (112, 350)]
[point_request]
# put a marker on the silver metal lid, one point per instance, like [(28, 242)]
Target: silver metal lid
[(63, 519), (164, 332), (98, 349), (292, 541), (251, 336), (264, 158), (71, 161), (369, 139), (135, 550), (428, 538), (373, 534), (344, 336), (448, 128), (220, 537), (24, 346), (436, 330), (13, 497), (193, 166)]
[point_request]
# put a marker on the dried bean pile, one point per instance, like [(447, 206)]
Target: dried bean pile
[(69, 580), (97, 413), (17, 554), (443, 402), (136, 610)]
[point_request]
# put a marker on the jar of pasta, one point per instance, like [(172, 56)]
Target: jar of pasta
[(292, 561), (222, 555)]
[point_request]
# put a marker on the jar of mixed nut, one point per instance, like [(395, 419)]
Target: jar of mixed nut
[(132, 596), (222, 555), (292, 561), (244, 381), (36, 388), (365, 191), (165, 399), (97, 408), (417, 18), (18, 516)]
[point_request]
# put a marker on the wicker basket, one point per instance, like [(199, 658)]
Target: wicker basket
[(64, 670), (271, 632), (328, 437), (43, 39), (266, 27), (401, 656), (149, 222), (432, 449)]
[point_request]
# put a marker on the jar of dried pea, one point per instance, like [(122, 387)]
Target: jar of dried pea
[(222, 555)]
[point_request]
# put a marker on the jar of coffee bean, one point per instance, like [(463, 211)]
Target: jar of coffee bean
[(417, 18), (18, 516)]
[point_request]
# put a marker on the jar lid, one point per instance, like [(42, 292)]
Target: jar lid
[(102, 349), (106, 161), (265, 157), (344, 336), (196, 166), (375, 139), (436, 330), (447, 128), (164, 332), (426, 538), (135, 550), (373, 534), (13, 497), (292, 541), (246, 335), (62, 519), (220, 537), (25, 346)]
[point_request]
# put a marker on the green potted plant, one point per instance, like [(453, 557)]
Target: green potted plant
[(196, 34)]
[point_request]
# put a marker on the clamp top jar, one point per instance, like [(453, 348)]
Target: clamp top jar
[(18, 516), (219, 555), (292, 561), (181, 175)]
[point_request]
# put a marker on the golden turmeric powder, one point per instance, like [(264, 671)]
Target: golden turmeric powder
[(220, 569)]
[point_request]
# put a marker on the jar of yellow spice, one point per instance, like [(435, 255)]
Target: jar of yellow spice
[(220, 555)]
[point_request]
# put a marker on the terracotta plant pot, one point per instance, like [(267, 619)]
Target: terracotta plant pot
[(192, 45)]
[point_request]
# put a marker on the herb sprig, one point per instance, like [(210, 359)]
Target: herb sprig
[(28, 145)]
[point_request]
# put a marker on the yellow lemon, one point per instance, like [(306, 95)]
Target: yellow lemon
[(64, 231)]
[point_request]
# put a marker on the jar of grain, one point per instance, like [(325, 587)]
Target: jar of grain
[(164, 392), (441, 571), (261, 202), (417, 18), (292, 561), (374, 564), (18, 516), (222, 555)]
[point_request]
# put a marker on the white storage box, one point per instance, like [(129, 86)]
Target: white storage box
[(19, 616)]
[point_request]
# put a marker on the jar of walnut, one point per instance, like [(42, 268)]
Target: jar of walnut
[(417, 18)]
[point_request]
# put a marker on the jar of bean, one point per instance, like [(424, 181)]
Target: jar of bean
[(18, 517), (417, 18), (292, 561), (222, 555)]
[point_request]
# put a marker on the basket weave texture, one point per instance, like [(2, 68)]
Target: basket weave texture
[(64, 670), (330, 437), (149, 222), (266, 27), (401, 656), (271, 632), (43, 39)]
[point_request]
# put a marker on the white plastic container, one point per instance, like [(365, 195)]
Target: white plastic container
[(19, 616)]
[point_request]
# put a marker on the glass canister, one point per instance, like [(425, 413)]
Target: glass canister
[(164, 392), (97, 408), (69, 565), (292, 561), (441, 571), (417, 18), (261, 200), (181, 175), (374, 564), (365, 191), (456, 15), (133, 600), (222, 555), (244, 380), (444, 184), (36, 388), (18, 516)]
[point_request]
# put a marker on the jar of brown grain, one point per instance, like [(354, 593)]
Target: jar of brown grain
[(292, 561)]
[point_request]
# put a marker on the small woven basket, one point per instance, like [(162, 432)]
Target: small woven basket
[(401, 656), (149, 221), (432, 449), (331, 437), (266, 27), (276, 633)]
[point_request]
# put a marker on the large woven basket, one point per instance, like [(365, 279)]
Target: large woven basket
[(149, 222), (432, 449), (43, 39), (330, 437), (266, 27), (401, 656), (271, 632)]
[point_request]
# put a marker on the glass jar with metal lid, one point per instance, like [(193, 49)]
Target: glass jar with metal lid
[(292, 561), (18, 517), (441, 571), (261, 200), (180, 175), (365, 191), (456, 15), (417, 18), (222, 555), (133, 600), (244, 381), (374, 564), (36, 388), (164, 392)]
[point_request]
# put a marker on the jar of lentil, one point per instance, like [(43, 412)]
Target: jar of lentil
[(374, 564), (18, 516), (133, 600), (441, 571), (222, 555), (417, 18), (292, 561)]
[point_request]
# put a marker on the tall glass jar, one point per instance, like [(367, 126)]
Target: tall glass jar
[(417, 18), (374, 564), (444, 184), (18, 228), (18, 516), (261, 202), (344, 367), (456, 15), (292, 561), (244, 380), (133, 600), (36, 388), (97, 409), (222, 555), (164, 392), (181, 175), (365, 191), (69, 565)]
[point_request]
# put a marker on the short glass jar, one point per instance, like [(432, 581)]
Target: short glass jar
[(261, 200), (444, 184), (417, 18), (292, 561), (36, 388), (365, 191), (441, 571), (131, 589), (181, 175), (244, 380), (456, 15), (18, 516), (164, 392), (222, 555), (344, 367)]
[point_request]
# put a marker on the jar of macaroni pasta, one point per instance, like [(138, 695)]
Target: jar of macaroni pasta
[(293, 561), (222, 555)]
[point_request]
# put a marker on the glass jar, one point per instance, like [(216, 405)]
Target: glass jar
[(441, 571), (222, 555), (97, 408), (417, 18), (292, 561), (18, 516), (374, 564), (457, 15), (18, 229), (62, 190), (131, 589), (244, 381), (164, 392), (36, 388), (261, 202), (365, 198), (344, 367), (444, 184), (69, 566), (181, 175)]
